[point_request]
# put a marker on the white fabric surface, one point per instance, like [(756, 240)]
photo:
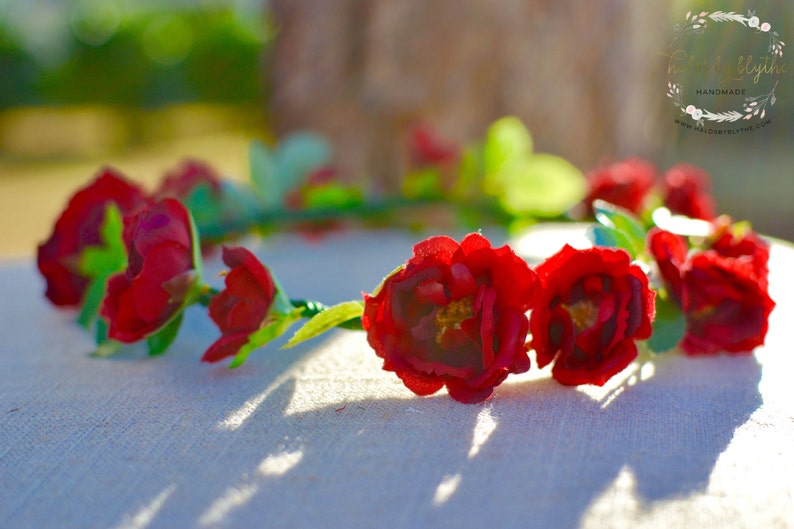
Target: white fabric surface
[(320, 436)]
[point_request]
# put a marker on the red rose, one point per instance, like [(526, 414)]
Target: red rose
[(77, 228), (625, 184), (243, 306), (722, 290), (594, 304), (726, 308), (180, 182), (427, 148), (686, 190), (455, 315), (160, 274), (747, 248)]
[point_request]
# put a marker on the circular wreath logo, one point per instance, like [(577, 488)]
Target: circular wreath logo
[(754, 107)]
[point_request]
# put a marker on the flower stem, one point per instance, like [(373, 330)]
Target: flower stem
[(372, 211), (206, 295)]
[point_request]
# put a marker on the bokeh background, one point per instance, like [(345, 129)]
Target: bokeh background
[(143, 84)]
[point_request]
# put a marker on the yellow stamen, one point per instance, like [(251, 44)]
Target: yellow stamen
[(451, 316), (583, 314)]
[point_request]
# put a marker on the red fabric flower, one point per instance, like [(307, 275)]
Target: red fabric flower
[(686, 190), (427, 148), (747, 248), (181, 181), (160, 274), (455, 315), (242, 307), (625, 184), (594, 305), (77, 228), (723, 290)]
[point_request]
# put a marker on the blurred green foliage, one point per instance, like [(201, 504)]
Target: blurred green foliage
[(143, 58)]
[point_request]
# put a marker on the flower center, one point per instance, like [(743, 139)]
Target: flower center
[(583, 314), (450, 316)]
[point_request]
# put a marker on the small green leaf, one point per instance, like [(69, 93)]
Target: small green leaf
[(92, 302), (669, 326), (162, 339), (422, 184), (623, 222), (609, 237), (333, 195), (111, 256), (98, 263), (262, 167), (298, 154), (205, 206), (506, 142), (266, 334), (541, 185), (327, 320)]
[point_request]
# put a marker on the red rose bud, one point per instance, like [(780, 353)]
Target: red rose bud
[(180, 182), (670, 252), (686, 190), (721, 290), (594, 304), (160, 275), (77, 228), (243, 306), (454, 316), (625, 184)]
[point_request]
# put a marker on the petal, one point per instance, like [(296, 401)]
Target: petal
[(225, 346)]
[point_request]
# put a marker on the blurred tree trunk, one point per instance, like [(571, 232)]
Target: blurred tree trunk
[(585, 77)]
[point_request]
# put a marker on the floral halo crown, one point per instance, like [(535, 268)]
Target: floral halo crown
[(665, 271)]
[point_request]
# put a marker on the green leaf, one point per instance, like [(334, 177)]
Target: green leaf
[(298, 154), (162, 339), (623, 223), (422, 184), (274, 172), (111, 256), (333, 195), (266, 334), (262, 167), (669, 326), (98, 263), (506, 142), (469, 174), (205, 206), (609, 237), (327, 320), (541, 185), (92, 302)]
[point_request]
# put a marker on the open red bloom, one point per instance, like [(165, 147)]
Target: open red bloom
[(243, 306), (160, 274), (77, 228), (722, 290), (625, 184), (686, 190), (454, 316), (593, 306)]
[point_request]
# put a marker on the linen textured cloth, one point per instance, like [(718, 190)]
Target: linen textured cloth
[(320, 436)]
